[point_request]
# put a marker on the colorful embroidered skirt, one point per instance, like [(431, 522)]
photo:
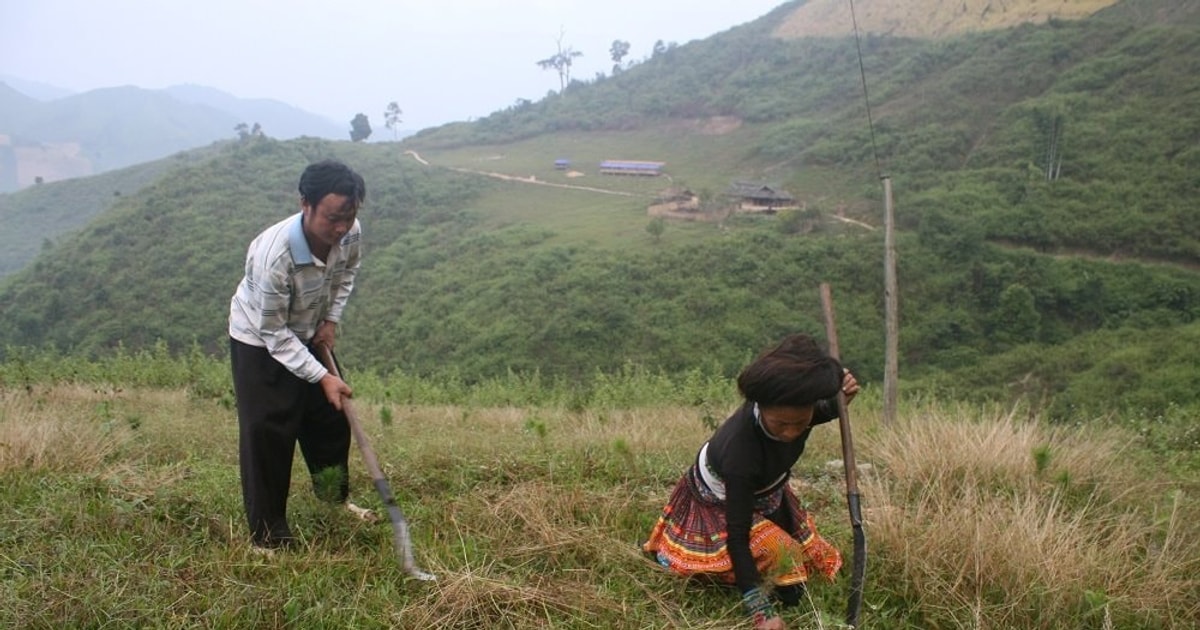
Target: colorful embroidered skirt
[(689, 538)]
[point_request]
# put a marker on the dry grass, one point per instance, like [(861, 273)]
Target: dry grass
[(84, 429), (124, 512), (64, 430), (997, 523), (928, 18), (487, 597)]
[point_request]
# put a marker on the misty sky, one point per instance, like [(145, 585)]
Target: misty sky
[(441, 60)]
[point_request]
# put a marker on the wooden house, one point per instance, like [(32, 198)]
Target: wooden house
[(761, 197)]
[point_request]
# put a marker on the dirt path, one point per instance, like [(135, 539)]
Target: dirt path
[(1064, 253), (525, 180), (853, 222)]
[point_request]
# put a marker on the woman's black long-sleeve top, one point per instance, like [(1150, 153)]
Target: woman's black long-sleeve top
[(750, 462)]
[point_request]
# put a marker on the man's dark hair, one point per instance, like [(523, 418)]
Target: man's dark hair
[(331, 177), (795, 373)]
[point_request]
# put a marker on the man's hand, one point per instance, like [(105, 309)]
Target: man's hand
[(335, 389), (324, 337)]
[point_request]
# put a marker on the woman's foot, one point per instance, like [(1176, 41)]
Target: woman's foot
[(789, 596)]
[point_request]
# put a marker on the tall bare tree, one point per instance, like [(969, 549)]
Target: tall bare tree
[(391, 118), (561, 62), (619, 49), (1049, 122)]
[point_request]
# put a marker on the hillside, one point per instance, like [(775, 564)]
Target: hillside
[(928, 18), (1011, 152), (34, 219), (1034, 135)]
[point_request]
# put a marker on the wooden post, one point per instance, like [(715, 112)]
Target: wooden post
[(892, 343)]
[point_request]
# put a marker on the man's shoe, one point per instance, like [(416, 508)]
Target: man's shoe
[(361, 513), (265, 552)]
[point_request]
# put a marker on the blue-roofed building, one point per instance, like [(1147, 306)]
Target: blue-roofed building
[(631, 167)]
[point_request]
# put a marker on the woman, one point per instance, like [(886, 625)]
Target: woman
[(733, 516)]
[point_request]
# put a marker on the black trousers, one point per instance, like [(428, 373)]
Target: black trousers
[(276, 409)]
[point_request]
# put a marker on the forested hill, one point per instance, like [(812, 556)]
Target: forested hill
[(1011, 151)]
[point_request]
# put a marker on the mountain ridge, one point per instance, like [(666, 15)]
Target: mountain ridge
[(108, 128)]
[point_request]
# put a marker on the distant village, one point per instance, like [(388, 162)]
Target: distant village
[(681, 203)]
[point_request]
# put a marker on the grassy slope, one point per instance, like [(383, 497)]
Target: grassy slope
[(123, 512), (702, 162), (704, 155)]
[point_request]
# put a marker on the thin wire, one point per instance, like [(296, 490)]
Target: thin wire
[(867, 101)]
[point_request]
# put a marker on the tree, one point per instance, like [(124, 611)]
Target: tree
[(561, 62), (619, 49), (245, 132), (391, 117), (1015, 320), (1049, 122), (656, 227), (360, 128)]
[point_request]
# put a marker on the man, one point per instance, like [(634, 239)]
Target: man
[(299, 274)]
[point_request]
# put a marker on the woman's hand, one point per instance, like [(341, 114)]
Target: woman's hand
[(771, 623), (849, 385)]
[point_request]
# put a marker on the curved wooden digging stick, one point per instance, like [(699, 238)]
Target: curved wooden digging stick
[(858, 574), (400, 534)]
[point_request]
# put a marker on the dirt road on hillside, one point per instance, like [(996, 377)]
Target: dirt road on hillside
[(525, 180)]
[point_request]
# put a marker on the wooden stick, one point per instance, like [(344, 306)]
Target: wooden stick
[(400, 534), (853, 502)]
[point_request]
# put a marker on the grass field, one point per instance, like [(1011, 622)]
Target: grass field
[(689, 157), (581, 217), (123, 510)]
